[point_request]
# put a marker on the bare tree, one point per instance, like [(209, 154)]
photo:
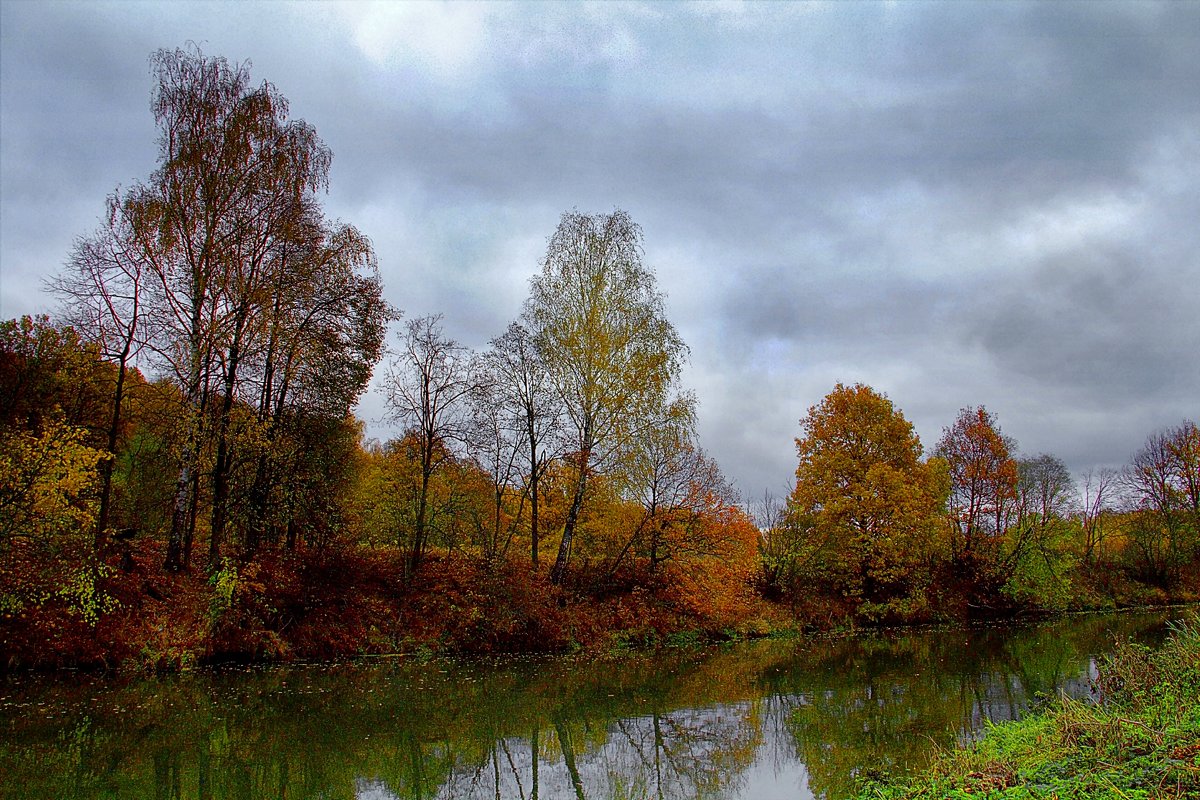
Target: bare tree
[(1096, 499), (1164, 483), (524, 394), (427, 389), (495, 441), (102, 294), (674, 482)]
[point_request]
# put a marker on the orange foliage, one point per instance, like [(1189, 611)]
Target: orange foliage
[(983, 480)]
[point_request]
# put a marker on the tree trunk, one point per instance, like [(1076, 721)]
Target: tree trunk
[(564, 548), (533, 496), (221, 466), (106, 466), (418, 542)]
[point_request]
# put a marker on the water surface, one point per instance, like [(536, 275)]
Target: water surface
[(770, 719)]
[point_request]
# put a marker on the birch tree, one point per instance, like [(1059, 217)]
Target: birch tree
[(600, 325)]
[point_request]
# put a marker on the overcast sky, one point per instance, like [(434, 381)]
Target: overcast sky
[(959, 204)]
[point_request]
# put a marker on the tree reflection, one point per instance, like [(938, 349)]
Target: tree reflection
[(673, 725)]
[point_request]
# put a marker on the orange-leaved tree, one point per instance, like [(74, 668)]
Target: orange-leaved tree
[(866, 501), (983, 482)]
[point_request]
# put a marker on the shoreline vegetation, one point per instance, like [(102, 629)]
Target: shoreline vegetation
[(183, 480), (1140, 739), (329, 606)]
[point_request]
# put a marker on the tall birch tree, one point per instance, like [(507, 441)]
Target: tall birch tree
[(600, 324)]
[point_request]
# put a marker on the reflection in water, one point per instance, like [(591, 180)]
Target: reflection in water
[(761, 720)]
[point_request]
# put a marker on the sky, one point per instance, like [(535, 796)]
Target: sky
[(959, 204)]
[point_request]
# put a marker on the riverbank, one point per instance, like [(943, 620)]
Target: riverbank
[(1142, 739), (288, 606), (346, 603)]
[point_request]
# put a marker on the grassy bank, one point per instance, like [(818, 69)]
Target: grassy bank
[(1141, 740)]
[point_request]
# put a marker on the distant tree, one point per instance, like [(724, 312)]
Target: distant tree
[(1045, 493), (780, 544), (680, 490), (1038, 554), (866, 500), (697, 515), (1095, 504), (428, 387), (983, 482), (600, 326), (48, 370), (1164, 483), (495, 441)]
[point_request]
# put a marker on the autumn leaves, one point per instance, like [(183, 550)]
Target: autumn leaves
[(883, 533)]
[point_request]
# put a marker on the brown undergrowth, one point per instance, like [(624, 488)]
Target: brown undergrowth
[(341, 603)]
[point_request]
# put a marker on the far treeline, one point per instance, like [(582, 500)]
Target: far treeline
[(182, 477)]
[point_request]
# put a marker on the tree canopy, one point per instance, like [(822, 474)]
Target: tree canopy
[(865, 498)]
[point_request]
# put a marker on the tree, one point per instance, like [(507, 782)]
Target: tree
[(866, 499), (680, 490), (1045, 491), (695, 513), (1164, 481), (779, 545), (233, 175), (427, 389), (600, 326), (524, 395), (1095, 499), (983, 482), (322, 335), (495, 440), (102, 292), (223, 268), (1038, 555), (47, 481), (48, 370)]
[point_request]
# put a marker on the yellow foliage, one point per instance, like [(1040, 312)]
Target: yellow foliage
[(48, 481)]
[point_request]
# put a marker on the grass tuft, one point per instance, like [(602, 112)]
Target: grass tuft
[(1140, 740)]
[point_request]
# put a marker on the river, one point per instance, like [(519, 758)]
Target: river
[(770, 719)]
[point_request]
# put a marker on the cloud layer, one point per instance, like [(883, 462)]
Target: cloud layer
[(959, 204)]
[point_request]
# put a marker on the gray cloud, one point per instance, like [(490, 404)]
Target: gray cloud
[(956, 203)]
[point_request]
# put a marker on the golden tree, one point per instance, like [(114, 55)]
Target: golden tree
[(866, 500)]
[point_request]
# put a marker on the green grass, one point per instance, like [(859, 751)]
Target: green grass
[(1142, 740)]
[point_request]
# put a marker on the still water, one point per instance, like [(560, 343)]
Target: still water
[(762, 720)]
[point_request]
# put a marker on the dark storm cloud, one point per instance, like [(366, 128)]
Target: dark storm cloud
[(956, 203)]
